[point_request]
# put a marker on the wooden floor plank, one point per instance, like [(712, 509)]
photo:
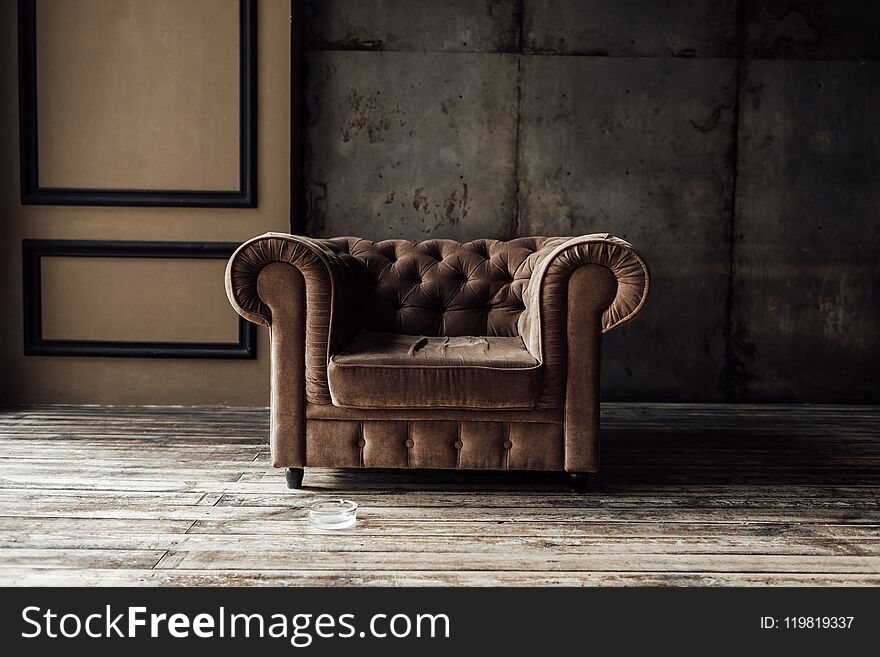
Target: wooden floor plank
[(556, 486), (114, 507), (99, 577), (547, 530), (557, 500), (66, 558), (517, 560), (315, 544)]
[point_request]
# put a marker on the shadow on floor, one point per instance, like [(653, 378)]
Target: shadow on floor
[(750, 451)]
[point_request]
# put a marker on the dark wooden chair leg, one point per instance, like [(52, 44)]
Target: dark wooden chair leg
[(294, 477), (579, 481)]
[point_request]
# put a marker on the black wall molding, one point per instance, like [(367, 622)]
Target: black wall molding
[(297, 121), (33, 194), (34, 344)]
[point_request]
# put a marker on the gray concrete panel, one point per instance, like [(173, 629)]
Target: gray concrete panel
[(405, 145), (408, 25), (806, 298), (641, 148), (691, 28), (812, 29)]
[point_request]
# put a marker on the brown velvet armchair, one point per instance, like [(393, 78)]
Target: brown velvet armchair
[(438, 354)]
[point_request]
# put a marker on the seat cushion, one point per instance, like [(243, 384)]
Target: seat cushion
[(386, 370)]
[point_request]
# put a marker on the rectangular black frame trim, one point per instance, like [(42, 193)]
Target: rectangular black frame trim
[(33, 194), (297, 121), (34, 345)]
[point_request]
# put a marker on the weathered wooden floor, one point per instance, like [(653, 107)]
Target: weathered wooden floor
[(687, 495)]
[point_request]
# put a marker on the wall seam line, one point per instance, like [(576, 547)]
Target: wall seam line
[(728, 374), (516, 220)]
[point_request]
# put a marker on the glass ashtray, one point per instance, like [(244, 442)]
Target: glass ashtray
[(332, 514)]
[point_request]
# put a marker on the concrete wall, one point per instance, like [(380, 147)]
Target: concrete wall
[(735, 143)]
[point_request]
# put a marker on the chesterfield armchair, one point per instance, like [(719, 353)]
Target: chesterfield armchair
[(438, 354)]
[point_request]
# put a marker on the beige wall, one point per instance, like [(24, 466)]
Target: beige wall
[(38, 379), (139, 124), (91, 299)]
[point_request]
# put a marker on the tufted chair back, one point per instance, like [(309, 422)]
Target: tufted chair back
[(440, 287)]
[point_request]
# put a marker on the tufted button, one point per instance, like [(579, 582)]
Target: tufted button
[(361, 442), (507, 444), (458, 444), (409, 442)]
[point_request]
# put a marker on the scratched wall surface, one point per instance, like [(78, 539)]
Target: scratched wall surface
[(732, 141), (411, 145), (807, 284)]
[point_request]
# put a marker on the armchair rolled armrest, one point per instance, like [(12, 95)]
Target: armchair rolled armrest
[(554, 265), (315, 261), (579, 288), (301, 289)]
